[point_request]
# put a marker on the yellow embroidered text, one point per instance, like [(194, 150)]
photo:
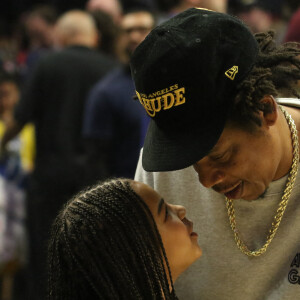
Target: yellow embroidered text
[(171, 97)]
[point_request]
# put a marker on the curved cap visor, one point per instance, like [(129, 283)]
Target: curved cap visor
[(168, 152)]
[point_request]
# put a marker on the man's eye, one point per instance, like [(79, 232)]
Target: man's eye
[(222, 158), (219, 157)]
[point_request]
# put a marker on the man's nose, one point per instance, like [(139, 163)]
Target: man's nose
[(209, 176), (135, 36)]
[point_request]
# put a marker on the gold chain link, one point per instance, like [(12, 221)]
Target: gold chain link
[(284, 200)]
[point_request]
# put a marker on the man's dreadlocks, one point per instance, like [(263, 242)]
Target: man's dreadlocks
[(275, 73), (105, 245)]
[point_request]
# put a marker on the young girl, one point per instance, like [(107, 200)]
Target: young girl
[(119, 240)]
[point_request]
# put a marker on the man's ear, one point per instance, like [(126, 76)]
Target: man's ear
[(270, 113)]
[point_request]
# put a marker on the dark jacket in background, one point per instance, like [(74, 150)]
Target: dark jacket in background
[(54, 100)]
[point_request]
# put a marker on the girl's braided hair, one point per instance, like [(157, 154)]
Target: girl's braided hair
[(105, 245), (276, 72)]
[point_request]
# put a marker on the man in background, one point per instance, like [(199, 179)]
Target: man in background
[(115, 124), (40, 29)]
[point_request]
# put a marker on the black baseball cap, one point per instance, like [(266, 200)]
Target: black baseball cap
[(186, 74)]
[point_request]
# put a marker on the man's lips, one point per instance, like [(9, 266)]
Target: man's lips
[(236, 192), (232, 192)]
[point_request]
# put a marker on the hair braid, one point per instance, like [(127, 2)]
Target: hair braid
[(107, 237), (162, 258)]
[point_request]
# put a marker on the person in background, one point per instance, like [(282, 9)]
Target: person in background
[(293, 32), (111, 7), (114, 124), (119, 240), (293, 29), (54, 101), (109, 33), (261, 15), (39, 26), (16, 165), (24, 144)]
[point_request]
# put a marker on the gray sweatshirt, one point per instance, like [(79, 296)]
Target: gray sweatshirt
[(223, 271)]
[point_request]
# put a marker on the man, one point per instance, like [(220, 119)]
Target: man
[(114, 124), (40, 28), (54, 101), (209, 86)]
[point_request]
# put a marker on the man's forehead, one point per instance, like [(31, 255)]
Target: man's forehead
[(137, 18), (223, 142), (216, 149)]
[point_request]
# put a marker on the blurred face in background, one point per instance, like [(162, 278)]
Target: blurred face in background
[(135, 27), (39, 31), (9, 96), (257, 19)]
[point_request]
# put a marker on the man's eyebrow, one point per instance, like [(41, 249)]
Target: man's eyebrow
[(160, 205), (218, 151), (214, 150)]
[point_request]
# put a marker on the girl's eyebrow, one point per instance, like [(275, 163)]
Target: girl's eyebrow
[(160, 205)]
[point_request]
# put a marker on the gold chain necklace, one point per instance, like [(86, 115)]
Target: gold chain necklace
[(284, 200)]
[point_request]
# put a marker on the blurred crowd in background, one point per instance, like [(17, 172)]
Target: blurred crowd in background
[(68, 117), (27, 27)]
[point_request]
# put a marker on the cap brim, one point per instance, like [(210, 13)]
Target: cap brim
[(170, 152)]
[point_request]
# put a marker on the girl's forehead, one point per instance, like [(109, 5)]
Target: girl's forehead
[(147, 193), (142, 188)]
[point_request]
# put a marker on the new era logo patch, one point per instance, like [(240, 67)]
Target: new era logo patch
[(232, 72)]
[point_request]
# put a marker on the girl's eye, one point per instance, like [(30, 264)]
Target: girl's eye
[(166, 213)]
